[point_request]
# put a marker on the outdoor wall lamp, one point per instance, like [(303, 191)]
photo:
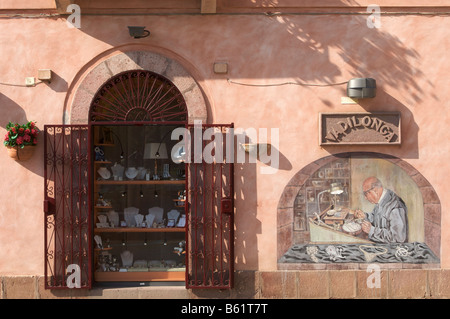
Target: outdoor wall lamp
[(361, 88), (255, 148), (138, 32)]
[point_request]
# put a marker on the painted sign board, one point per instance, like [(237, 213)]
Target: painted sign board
[(377, 128)]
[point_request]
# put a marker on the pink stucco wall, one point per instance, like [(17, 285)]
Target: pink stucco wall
[(407, 57), (28, 4)]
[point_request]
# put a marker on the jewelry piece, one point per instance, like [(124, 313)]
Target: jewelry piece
[(334, 252), (401, 252), (370, 256), (104, 173), (129, 214), (139, 218), (131, 172), (312, 251), (113, 217), (98, 241), (127, 258), (117, 170)]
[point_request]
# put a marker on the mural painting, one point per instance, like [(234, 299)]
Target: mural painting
[(358, 210)]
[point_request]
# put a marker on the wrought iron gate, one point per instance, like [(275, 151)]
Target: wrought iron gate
[(210, 211), (67, 229)]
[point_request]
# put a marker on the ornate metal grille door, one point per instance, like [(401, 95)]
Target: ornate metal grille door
[(67, 221), (210, 212), (138, 97)]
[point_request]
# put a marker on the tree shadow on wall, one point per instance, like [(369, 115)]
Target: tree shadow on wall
[(332, 48), (247, 225), (11, 111), (323, 47), (329, 48)]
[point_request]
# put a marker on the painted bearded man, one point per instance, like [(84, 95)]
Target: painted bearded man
[(388, 221)]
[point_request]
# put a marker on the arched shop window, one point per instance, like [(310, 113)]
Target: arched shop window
[(121, 208), (138, 96), (358, 208)]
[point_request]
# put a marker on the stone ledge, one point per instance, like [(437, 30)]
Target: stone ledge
[(19, 287), (358, 284), (282, 284)]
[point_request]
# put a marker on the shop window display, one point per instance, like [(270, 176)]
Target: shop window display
[(139, 212)]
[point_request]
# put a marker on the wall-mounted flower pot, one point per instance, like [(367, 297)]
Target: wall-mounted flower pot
[(21, 154)]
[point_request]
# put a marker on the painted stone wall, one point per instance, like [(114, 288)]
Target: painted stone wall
[(321, 224)]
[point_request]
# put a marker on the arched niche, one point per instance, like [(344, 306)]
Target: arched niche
[(78, 108), (299, 202)]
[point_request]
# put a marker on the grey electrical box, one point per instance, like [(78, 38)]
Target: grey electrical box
[(361, 88)]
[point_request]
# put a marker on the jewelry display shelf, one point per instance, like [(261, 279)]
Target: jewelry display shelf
[(116, 193), (176, 274), (141, 182), (140, 230)]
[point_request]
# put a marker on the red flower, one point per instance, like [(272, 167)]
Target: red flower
[(21, 135)]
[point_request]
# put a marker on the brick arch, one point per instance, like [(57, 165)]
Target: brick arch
[(285, 209), (78, 109)]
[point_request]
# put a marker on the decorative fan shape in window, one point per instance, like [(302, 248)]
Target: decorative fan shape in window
[(138, 95)]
